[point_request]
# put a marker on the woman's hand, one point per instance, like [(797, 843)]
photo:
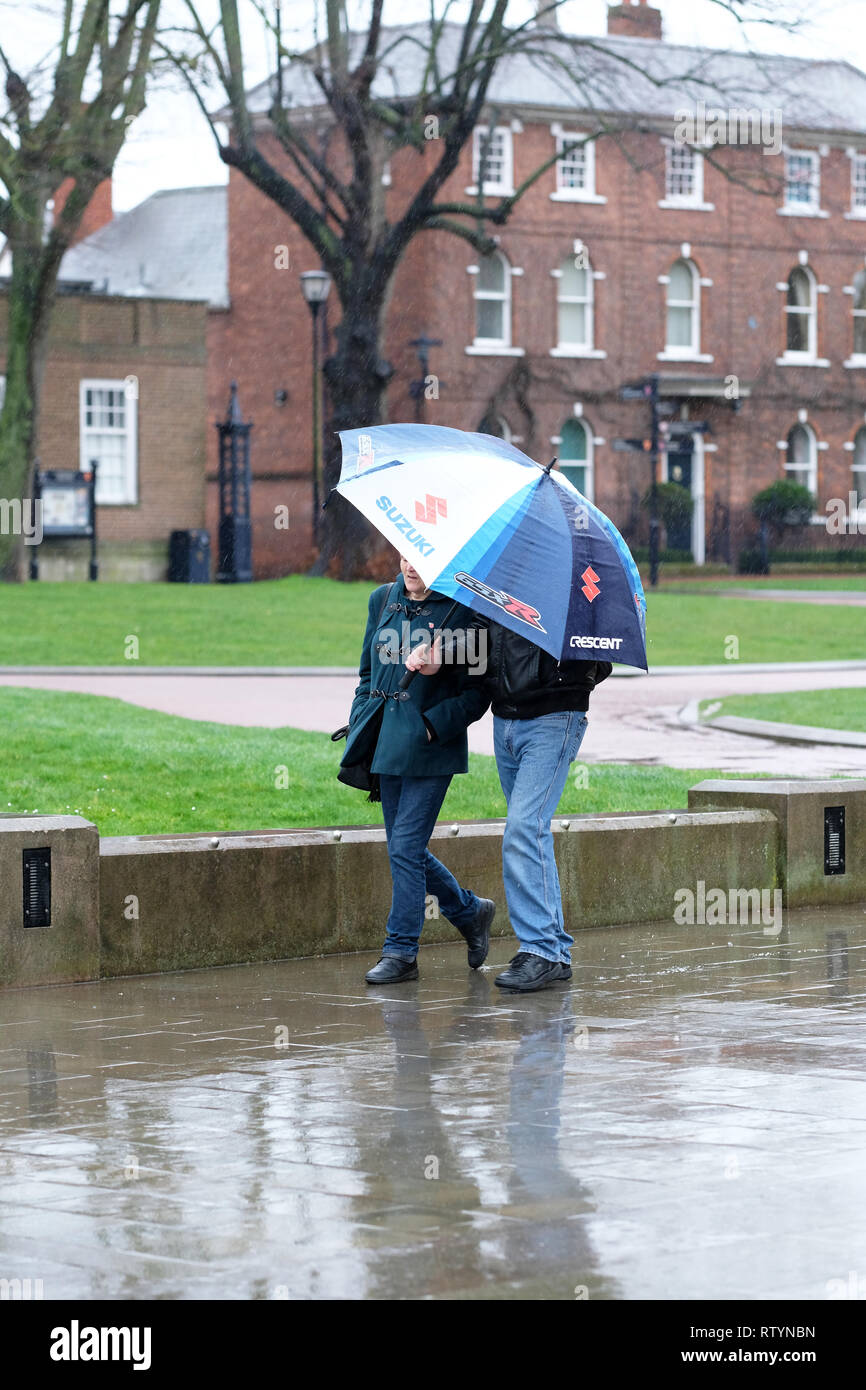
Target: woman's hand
[(425, 661)]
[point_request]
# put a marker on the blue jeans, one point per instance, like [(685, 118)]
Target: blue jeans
[(533, 758), (410, 806)]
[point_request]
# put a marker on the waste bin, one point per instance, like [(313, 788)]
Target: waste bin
[(189, 557)]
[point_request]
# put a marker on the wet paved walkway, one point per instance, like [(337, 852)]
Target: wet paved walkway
[(688, 1120)]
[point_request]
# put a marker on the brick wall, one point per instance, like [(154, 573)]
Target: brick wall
[(163, 344), (742, 246), (97, 213)]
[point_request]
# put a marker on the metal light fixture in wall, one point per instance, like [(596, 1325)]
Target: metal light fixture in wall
[(834, 839), (37, 887)]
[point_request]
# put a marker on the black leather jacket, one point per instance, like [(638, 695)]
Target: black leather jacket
[(523, 681)]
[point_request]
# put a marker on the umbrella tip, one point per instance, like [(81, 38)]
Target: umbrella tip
[(550, 465)]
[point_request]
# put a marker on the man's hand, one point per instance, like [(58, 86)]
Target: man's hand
[(425, 661)]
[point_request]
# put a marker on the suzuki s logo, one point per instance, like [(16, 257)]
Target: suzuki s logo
[(435, 507), (590, 583)]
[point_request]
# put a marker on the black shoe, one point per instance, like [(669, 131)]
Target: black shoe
[(391, 970), (565, 971), (527, 972), (477, 936)]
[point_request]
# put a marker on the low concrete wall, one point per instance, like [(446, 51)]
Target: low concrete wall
[(799, 809), (68, 948), (171, 903), (125, 561), (137, 904)]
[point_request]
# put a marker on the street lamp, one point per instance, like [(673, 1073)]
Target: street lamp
[(315, 285)]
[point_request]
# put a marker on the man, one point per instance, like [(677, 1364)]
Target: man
[(539, 720)]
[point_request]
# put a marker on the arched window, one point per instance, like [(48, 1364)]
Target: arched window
[(574, 285), (683, 309), (859, 313), (493, 301), (858, 469), (801, 314), (498, 426), (801, 459), (575, 455)]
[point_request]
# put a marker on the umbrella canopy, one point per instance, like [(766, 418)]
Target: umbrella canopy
[(485, 524)]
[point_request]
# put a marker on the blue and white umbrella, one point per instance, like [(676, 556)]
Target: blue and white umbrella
[(484, 524)]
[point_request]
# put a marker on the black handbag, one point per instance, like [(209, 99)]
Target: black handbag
[(359, 775)]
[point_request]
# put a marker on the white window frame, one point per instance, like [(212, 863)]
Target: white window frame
[(130, 497), (495, 347), (2, 389), (792, 355), (857, 211), (858, 469), (587, 348), (692, 353), (496, 190), (587, 193), (813, 208), (505, 433), (695, 199), (855, 359), (812, 464), (589, 462)]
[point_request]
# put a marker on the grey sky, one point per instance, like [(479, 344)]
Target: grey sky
[(170, 146)]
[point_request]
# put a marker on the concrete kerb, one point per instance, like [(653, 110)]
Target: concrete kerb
[(773, 729)]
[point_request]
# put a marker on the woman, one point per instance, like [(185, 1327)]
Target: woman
[(418, 738)]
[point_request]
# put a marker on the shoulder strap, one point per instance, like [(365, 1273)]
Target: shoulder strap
[(387, 600)]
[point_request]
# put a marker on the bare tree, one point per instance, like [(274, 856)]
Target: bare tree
[(74, 131), (330, 179)]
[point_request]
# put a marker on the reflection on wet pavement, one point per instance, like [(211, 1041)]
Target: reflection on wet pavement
[(686, 1120)]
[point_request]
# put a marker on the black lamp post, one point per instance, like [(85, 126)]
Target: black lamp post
[(235, 560), (315, 285)]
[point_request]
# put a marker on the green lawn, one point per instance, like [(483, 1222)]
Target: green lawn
[(133, 772), (299, 621), (828, 709)]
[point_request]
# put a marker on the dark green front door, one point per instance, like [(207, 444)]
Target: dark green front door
[(680, 471)]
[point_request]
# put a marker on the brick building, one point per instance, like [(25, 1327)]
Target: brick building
[(735, 270), (639, 252), (126, 374)]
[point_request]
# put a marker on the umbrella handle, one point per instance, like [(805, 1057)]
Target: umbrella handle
[(408, 676)]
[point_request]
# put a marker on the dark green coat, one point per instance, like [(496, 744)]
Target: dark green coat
[(450, 700)]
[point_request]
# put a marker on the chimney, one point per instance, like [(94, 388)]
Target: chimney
[(97, 213), (634, 19), (549, 20)]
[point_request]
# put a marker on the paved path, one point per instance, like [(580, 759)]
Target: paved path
[(632, 718), (852, 598), (686, 1122)]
